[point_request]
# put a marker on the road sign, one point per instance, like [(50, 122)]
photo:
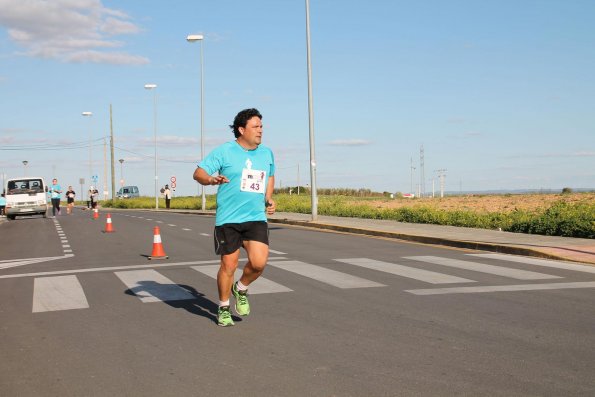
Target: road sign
[(173, 185), (172, 179)]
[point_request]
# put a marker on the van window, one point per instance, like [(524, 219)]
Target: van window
[(25, 186)]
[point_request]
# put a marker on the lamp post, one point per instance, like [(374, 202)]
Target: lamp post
[(314, 197), (153, 87), (191, 38), (89, 114), (25, 162), (121, 173)]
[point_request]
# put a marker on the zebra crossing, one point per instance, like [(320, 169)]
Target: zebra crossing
[(62, 290)]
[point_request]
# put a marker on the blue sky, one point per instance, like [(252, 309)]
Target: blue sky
[(499, 93)]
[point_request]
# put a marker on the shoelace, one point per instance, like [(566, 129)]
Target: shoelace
[(224, 313), (242, 299)]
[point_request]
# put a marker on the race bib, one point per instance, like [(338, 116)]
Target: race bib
[(253, 181)]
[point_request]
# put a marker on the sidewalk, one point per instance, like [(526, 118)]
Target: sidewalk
[(552, 247), (549, 247)]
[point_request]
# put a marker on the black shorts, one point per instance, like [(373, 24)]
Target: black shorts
[(70, 200), (230, 236)]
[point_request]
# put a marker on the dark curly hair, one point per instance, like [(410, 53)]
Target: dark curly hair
[(242, 118)]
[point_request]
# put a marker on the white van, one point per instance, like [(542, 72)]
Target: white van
[(128, 192), (25, 196)]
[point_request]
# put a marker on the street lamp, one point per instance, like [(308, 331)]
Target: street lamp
[(89, 114), (121, 173), (191, 38), (25, 162), (313, 193), (153, 87)]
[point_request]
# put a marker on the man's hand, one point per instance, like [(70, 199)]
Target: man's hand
[(270, 206), (218, 180)]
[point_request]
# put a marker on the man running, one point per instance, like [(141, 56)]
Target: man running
[(70, 194), (245, 175), (56, 196)]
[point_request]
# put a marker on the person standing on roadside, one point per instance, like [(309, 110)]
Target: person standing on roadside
[(70, 200), (2, 205), (56, 196), (167, 195), (245, 174)]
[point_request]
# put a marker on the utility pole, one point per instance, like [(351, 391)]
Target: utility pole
[(105, 169), (412, 169), (298, 180), (111, 127), (422, 176)]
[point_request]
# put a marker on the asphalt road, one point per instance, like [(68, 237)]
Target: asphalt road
[(85, 313)]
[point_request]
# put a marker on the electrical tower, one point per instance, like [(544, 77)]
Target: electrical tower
[(422, 176), (441, 175)]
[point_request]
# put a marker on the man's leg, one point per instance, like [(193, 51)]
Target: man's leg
[(225, 276), (229, 264), (258, 254)]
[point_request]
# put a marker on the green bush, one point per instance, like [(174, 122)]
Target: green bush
[(560, 219)]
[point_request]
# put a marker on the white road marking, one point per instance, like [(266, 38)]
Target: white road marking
[(205, 234), (58, 293), (277, 252), (262, 285), (171, 225), (499, 288), (483, 268), (405, 271), (186, 229), (151, 286), (327, 276), (539, 262), (113, 268), (5, 264)]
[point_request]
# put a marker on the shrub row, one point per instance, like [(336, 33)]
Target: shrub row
[(560, 219)]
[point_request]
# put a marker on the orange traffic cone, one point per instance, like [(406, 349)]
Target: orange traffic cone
[(158, 252), (109, 228), (95, 213)]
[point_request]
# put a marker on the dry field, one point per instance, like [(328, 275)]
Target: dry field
[(487, 203)]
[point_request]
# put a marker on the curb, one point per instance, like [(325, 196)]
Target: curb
[(504, 249)]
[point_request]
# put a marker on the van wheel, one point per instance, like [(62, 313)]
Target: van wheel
[(11, 217)]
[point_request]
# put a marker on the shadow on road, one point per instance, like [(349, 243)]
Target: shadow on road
[(173, 295)]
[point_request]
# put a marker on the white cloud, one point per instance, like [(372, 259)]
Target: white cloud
[(68, 30), (350, 142)]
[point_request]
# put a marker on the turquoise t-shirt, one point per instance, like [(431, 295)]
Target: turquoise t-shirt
[(242, 199), (54, 191)]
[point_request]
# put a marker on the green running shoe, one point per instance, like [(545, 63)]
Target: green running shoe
[(242, 305), (224, 317)]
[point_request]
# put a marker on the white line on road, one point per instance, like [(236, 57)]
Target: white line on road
[(262, 285), (103, 269), (405, 271), (277, 252), (169, 224), (539, 262), (5, 264), (499, 288), (327, 276), (483, 268), (151, 286), (58, 293), (186, 229), (205, 234)]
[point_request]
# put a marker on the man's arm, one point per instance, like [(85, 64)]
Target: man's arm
[(268, 196), (201, 176)]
